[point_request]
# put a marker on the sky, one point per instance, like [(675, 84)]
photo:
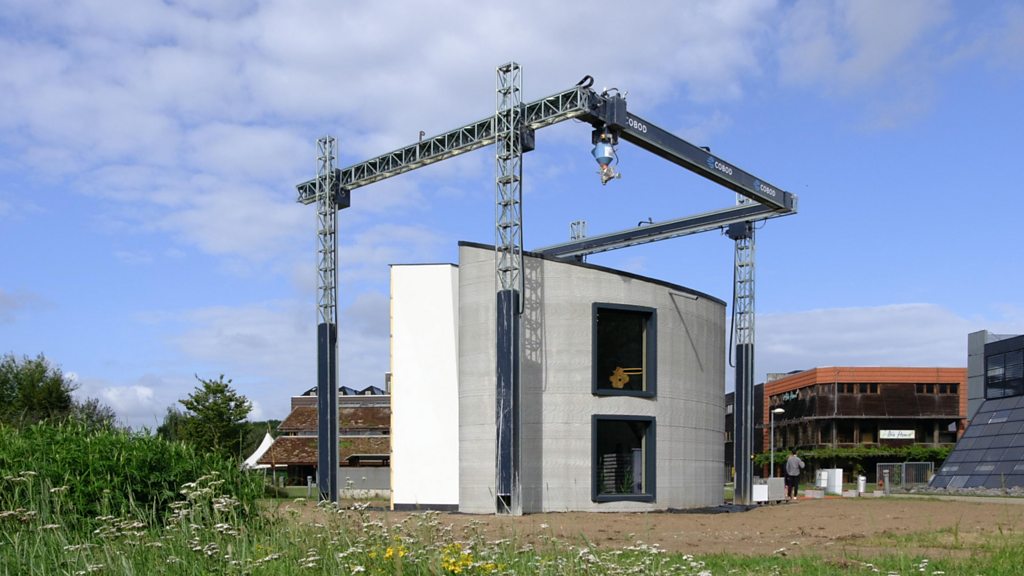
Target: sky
[(149, 152)]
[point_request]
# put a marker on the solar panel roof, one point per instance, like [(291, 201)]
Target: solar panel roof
[(991, 452)]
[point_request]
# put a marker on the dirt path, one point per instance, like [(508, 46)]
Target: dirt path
[(830, 527), (827, 527)]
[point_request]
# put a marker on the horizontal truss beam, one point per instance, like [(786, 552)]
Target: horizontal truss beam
[(537, 114), (661, 230)]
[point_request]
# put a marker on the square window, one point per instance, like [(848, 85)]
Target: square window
[(623, 458), (625, 351)]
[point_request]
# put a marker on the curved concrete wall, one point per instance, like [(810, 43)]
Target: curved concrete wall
[(557, 403)]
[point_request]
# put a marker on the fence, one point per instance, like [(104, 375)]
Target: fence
[(905, 474)]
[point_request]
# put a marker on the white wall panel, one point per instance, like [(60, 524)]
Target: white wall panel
[(424, 385)]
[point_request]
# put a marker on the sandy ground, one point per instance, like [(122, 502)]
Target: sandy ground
[(831, 527)]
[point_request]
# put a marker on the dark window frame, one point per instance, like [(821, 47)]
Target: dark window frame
[(650, 457), (650, 345)]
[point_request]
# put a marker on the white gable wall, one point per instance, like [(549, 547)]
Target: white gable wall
[(424, 386)]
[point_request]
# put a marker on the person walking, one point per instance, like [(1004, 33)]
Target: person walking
[(793, 467)]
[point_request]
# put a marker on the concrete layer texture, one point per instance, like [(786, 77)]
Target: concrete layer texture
[(557, 401)]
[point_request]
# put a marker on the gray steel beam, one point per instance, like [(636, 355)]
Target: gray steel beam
[(702, 162), (661, 230)]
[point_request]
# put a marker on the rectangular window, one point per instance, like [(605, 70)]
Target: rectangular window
[(942, 388), (930, 388), (863, 388), (873, 388), (625, 350), (954, 388), (623, 458), (994, 376), (920, 388)]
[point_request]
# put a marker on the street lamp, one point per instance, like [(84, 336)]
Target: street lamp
[(771, 471)]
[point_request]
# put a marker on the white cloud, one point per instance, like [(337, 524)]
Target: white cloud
[(883, 57), (269, 350), (894, 335), (138, 404), (225, 218), (134, 257), (262, 338), (373, 249), (199, 117), (848, 45)]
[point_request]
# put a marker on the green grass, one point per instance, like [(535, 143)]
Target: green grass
[(206, 528), (205, 537)]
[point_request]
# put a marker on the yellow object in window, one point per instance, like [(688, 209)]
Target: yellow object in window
[(620, 376)]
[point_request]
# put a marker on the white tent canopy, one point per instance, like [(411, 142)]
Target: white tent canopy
[(250, 462)]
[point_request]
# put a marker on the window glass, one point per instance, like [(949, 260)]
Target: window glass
[(623, 356), (624, 458)]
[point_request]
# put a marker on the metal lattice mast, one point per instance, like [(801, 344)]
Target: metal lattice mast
[(508, 263), (743, 339), (508, 122), (327, 232), (744, 261), (327, 328)]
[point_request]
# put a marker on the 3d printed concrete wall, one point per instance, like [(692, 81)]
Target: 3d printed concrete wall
[(559, 408)]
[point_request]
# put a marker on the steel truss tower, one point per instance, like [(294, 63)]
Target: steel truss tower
[(508, 263), (743, 339), (329, 199)]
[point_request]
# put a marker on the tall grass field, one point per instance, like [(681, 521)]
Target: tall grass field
[(75, 501)]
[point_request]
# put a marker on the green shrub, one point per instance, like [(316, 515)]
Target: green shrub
[(101, 472)]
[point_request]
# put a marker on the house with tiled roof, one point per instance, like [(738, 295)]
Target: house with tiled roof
[(364, 434)]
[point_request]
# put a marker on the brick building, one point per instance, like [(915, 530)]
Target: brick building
[(364, 434), (864, 406)]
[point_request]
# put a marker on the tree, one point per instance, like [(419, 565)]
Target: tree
[(93, 413), (173, 426), (215, 417), (32, 390)]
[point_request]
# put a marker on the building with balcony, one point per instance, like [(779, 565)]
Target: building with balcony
[(834, 407)]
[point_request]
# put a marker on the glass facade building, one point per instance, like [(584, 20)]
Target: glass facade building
[(991, 452)]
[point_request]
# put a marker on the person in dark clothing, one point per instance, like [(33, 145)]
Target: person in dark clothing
[(793, 467)]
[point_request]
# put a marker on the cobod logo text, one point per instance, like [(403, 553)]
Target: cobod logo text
[(716, 164), (765, 189)]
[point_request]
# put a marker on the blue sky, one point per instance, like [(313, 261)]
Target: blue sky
[(149, 153)]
